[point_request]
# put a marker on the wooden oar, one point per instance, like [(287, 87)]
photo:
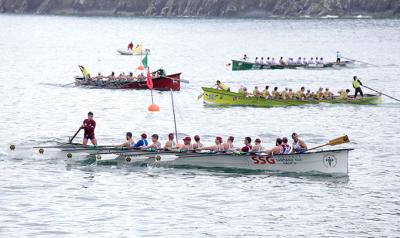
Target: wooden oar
[(200, 96), (73, 137), (361, 62), (381, 93), (67, 84), (337, 141)]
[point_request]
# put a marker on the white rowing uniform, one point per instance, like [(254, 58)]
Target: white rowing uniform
[(219, 148), (297, 148), (338, 55), (256, 148), (198, 145), (286, 149)]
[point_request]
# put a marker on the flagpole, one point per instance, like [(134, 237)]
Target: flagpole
[(151, 92), (173, 111)]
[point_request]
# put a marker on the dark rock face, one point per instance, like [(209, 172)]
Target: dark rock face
[(206, 8)]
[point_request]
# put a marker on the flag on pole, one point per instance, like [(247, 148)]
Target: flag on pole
[(149, 79), (144, 61)]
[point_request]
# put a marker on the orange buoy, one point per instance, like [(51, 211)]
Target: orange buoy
[(141, 67), (154, 108)]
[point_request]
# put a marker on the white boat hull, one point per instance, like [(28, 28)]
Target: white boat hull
[(333, 162), (130, 52)]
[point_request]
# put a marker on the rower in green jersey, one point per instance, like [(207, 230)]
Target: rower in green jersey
[(221, 86)]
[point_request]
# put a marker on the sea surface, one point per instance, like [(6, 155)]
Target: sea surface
[(45, 196)]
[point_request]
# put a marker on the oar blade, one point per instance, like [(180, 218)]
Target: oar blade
[(339, 140)]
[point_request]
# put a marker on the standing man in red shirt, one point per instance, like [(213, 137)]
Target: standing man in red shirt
[(89, 125)]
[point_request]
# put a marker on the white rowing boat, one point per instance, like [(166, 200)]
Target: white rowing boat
[(131, 52), (334, 162)]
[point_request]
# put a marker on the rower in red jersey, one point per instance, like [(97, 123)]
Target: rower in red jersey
[(89, 125)]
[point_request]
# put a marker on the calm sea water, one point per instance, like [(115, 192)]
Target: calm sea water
[(43, 196)]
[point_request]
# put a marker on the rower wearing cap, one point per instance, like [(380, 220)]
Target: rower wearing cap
[(142, 142), (155, 144), (298, 145), (218, 147), (228, 145), (186, 144), (221, 86), (257, 146), (247, 145), (197, 144), (129, 143), (170, 144), (89, 125)]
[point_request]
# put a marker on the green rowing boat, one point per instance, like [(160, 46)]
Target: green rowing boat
[(213, 96), (245, 65)]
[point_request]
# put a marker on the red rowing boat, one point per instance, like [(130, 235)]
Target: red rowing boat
[(161, 83)]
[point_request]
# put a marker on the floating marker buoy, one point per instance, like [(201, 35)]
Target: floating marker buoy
[(128, 159), (98, 157), (158, 158), (69, 155), (12, 147), (41, 151), (154, 108)]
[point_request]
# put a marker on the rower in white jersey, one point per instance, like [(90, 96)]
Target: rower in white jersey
[(262, 60), (170, 144), (338, 57), (155, 144), (298, 61), (311, 61), (197, 144), (305, 62), (256, 148), (187, 146), (273, 62), (287, 149), (268, 61), (228, 146), (129, 143), (298, 145), (218, 147)]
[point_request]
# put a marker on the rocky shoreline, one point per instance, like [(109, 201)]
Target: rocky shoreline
[(206, 8)]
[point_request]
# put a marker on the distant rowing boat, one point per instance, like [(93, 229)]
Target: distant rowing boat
[(131, 52), (245, 65), (161, 83), (334, 162), (225, 98)]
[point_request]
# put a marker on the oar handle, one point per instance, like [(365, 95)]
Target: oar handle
[(76, 133), (317, 147)]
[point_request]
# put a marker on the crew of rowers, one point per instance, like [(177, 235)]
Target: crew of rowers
[(288, 61), (288, 93), (122, 76), (282, 145)]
